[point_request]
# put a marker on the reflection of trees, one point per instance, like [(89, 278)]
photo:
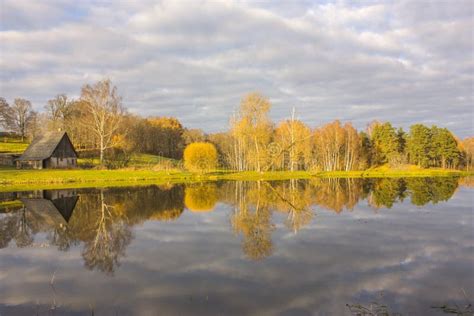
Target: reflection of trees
[(386, 191), (252, 219), (24, 235), (102, 219), (294, 197), (61, 237), (200, 197), (104, 230), (15, 226), (158, 203), (8, 229), (425, 190), (337, 194)]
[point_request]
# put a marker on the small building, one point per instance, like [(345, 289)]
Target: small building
[(8, 159), (51, 150)]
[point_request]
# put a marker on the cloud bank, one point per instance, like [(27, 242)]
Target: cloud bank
[(405, 62)]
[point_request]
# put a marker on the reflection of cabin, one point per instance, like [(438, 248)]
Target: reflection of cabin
[(53, 207), (51, 150)]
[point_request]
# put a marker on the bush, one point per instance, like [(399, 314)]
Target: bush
[(200, 157)]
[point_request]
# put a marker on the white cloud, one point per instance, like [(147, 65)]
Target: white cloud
[(172, 57)]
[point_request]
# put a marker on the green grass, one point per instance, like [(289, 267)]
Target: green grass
[(146, 160), (12, 145), (136, 161), (13, 180)]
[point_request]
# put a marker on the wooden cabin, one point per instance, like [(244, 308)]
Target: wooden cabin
[(8, 159), (50, 150)]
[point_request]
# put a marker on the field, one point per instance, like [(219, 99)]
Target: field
[(12, 145), (12, 179)]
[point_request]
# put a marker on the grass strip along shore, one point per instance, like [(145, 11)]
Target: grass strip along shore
[(12, 179)]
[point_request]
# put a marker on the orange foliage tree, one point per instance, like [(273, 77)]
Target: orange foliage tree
[(337, 147)]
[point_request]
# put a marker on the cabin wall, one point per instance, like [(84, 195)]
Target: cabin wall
[(60, 162), (8, 159), (64, 149), (30, 164), (63, 156)]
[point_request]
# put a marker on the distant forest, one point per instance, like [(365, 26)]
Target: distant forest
[(98, 124)]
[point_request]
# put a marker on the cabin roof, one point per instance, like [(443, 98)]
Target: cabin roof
[(42, 147), (44, 211)]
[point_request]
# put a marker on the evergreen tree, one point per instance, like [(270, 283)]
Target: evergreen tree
[(444, 150), (419, 145), (385, 143)]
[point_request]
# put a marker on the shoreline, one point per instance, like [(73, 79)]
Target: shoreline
[(17, 180)]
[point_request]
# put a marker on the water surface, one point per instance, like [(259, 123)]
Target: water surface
[(239, 248)]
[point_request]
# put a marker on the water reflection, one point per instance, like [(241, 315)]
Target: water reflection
[(102, 219), (309, 236)]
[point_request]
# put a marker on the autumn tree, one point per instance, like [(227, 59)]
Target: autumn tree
[(468, 148), (59, 110), (337, 147), (167, 139), (224, 143), (4, 113), (162, 136), (293, 138), (252, 130), (200, 157), (104, 105), (193, 135), (20, 115)]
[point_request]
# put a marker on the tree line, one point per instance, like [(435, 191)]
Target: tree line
[(99, 124)]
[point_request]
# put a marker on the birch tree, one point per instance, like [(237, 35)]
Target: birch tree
[(104, 105), (252, 130), (294, 138), (337, 147)]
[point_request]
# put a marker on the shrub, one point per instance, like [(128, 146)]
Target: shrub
[(200, 157)]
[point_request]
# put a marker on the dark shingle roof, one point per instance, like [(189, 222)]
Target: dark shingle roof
[(42, 147), (44, 212)]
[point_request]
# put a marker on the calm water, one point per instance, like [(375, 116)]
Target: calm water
[(233, 248)]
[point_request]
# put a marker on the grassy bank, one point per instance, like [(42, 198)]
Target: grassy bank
[(12, 145), (11, 179)]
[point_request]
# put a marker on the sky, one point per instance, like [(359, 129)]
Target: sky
[(400, 61)]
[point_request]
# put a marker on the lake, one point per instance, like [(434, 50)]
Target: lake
[(299, 247)]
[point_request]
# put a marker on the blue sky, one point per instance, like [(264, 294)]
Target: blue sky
[(403, 61)]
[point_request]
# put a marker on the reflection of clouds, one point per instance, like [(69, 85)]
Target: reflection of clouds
[(194, 265)]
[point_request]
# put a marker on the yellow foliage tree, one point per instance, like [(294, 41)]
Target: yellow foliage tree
[(200, 157), (294, 139), (251, 130)]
